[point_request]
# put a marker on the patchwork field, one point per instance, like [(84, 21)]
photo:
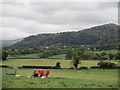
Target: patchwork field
[(50, 62), (61, 56)]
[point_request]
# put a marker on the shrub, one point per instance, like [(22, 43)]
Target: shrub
[(4, 55), (111, 56), (117, 55), (103, 54), (106, 64), (83, 67), (94, 67), (71, 67), (57, 66)]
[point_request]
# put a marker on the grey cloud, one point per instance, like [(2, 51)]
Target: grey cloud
[(32, 18), (107, 5)]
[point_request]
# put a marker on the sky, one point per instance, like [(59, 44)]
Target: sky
[(20, 19)]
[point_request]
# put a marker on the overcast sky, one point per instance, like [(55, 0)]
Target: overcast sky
[(21, 19)]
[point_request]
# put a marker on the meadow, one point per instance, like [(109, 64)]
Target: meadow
[(50, 62), (59, 78), (107, 51), (92, 78)]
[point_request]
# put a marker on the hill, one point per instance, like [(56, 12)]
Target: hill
[(102, 34), (6, 43)]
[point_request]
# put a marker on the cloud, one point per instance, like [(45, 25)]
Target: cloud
[(20, 19)]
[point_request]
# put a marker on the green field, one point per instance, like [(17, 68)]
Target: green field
[(59, 78), (50, 62), (24, 56), (61, 56), (107, 51), (64, 79)]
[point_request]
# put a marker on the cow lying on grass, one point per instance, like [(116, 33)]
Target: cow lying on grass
[(41, 73)]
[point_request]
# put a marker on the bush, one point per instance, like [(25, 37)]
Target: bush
[(83, 67), (94, 67), (117, 55), (57, 66), (4, 55), (111, 56), (106, 64), (71, 67), (39, 67)]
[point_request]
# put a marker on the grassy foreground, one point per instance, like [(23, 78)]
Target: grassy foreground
[(64, 79)]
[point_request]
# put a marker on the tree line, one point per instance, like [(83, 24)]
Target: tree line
[(77, 54), (90, 55), (85, 51)]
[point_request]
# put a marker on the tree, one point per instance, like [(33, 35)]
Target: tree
[(69, 53), (87, 55), (103, 53), (94, 56), (58, 65), (98, 56), (106, 64), (104, 57), (4, 55), (45, 54), (111, 56), (76, 59), (117, 55)]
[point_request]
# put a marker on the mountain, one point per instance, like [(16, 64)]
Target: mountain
[(103, 34), (6, 43)]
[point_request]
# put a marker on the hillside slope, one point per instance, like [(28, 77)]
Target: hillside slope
[(6, 43), (103, 34)]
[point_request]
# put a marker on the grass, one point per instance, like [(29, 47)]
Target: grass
[(59, 78), (61, 56), (36, 62), (49, 62), (66, 78), (102, 78), (24, 56), (107, 51)]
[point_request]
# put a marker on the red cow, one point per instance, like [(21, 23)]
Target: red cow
[(40, 73), (35, 73), (47, 73)]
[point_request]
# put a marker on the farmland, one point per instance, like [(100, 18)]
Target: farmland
[(107, 51), (59, 78), (64, 79), (60, 56), (49, 62)]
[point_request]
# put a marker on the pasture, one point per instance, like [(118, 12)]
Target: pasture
[(107, 51), (92, 78), (24, 56), (60, 56), (59, 78), (50, 62)]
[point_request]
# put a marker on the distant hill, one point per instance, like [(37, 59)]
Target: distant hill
[(102, 34), (6, 43)]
